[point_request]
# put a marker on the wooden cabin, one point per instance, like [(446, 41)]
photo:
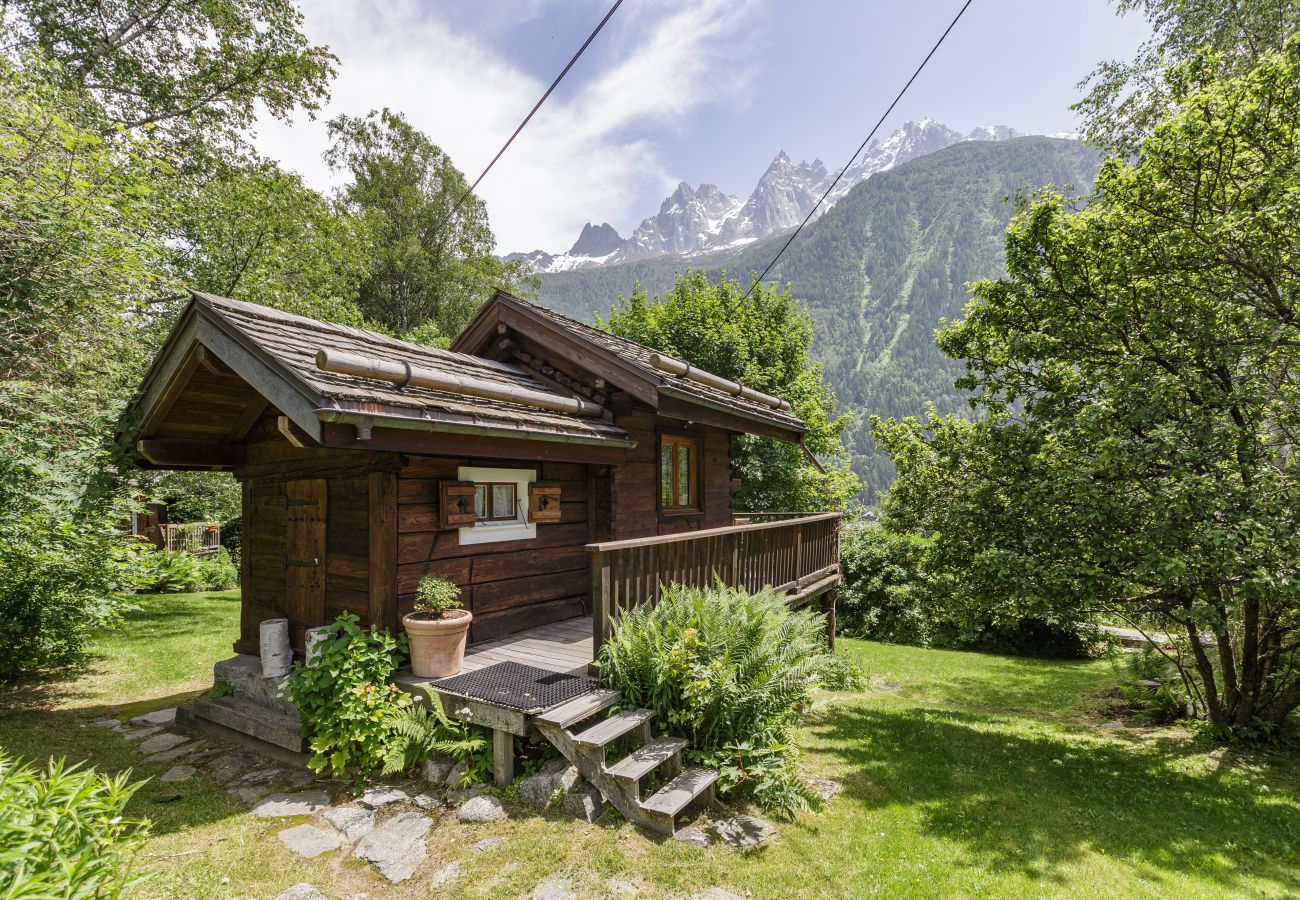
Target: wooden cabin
[(367, 461)]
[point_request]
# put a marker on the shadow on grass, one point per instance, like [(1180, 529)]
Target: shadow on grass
[(1033, 797)]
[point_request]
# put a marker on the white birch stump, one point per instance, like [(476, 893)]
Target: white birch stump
[(277, 656), (314, 636)]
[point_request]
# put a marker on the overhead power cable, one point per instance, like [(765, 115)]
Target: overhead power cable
[(538, 105), (961, 12)]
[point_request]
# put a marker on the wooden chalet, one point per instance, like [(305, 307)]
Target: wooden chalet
[(552, 470)]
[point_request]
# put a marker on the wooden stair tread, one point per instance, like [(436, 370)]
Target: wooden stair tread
[(613, 728), (673, 797), (646, 759), (579, 708)]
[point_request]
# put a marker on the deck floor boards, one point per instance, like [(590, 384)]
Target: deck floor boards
[(556, 647)]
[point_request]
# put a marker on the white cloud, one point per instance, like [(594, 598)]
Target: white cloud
[(591, 153)]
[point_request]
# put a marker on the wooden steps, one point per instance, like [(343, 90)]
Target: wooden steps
[(620, 783)]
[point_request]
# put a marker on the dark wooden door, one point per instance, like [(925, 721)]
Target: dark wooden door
[(304, 558)]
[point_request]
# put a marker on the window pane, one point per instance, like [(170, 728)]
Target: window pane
[(684, 475), (666, 474), (480, 501), (503, 501)]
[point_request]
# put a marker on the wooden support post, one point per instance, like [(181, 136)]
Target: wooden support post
[(503, 757), (828, 606)]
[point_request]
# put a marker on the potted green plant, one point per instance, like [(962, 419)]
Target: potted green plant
[(437, 629)]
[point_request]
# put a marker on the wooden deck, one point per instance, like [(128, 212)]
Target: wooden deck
[(557, 647)]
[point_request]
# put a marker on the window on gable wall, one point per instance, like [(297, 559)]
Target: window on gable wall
[(496, 501), (679, 473)]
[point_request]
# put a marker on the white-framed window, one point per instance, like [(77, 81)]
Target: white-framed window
[(500, 504)]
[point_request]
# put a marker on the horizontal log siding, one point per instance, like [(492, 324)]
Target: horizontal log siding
[(634, 487), (510, 585)]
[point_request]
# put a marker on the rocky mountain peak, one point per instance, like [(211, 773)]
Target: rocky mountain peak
[(596, 240)]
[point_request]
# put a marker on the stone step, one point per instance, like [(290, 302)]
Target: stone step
[(574, 711), (244, 675), (646, 759), (606, 732), (677, 794), (251, 718)]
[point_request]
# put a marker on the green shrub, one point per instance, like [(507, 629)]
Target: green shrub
[(346, 701), (840, 672), (729, 671), (436, 596), (63, 832), (164, 572), (888, 595), (418, 732)]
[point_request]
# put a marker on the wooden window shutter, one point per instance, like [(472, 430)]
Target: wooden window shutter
[(456, 503), (543, 502)]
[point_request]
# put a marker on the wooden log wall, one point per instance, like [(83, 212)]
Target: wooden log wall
[(634, 486), (510, 585)]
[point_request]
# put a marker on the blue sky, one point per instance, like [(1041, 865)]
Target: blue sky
[(698, 91)]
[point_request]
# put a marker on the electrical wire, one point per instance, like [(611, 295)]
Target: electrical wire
[(961, 12), (538, 105)]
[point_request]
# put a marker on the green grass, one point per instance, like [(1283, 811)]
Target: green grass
[(965, 774)]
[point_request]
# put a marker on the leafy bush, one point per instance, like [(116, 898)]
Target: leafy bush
[(889, 595), (346, 701), (840, 672), (731, 672), (164, 572), (436, 596), (63, 832), (419, 732)]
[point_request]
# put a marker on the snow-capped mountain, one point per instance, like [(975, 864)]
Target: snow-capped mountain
[(699, 220)]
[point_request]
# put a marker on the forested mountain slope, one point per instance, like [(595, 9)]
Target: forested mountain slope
[(878, 272)]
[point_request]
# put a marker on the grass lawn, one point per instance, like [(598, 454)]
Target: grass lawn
[(964, 775)]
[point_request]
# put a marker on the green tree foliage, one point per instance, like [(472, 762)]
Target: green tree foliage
[(250, 231), (431, 267), (761, 341), (195, 73), (1127, 98), (1138, 368), (877, 273)]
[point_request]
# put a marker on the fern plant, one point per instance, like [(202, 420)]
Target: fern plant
[(731, 672), (416, 734)]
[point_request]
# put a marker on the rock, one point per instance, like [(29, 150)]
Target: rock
[(250, 795), (455, 775), (428, 803), (437, 767), (302, 803), (161, 742), (695, 837), (716, 893), (458, 796), (258, 776), (353, 822), (743, 832), (178, 773), (621, 887), (481, 809), (488, 843), (446, 875), (1112, 725), (397, 847), (298, 777), (157, 717), (382, 795), (175, 754), (554, 775), (825, 788), (309, 841), (232, 765), (135, 734), (105, 722), (584, 801), (557, 887), (300, 891)]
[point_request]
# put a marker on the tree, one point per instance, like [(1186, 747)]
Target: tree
[(761, 341), (196, 73), (1139, 369), (432, 266), (254, 232), (1126, 98)]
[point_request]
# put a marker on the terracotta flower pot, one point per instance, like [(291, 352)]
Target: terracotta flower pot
[(437, 645)]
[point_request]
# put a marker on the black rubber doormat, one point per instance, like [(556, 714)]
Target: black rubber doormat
[(517, 686)]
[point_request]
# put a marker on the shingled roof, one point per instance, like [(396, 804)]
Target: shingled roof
[(638, 356), (287, 345)]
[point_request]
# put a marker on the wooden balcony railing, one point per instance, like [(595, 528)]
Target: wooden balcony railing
[(197, 538), (796, 555)]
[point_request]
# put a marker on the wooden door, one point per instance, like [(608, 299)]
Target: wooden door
[(304, 558)]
